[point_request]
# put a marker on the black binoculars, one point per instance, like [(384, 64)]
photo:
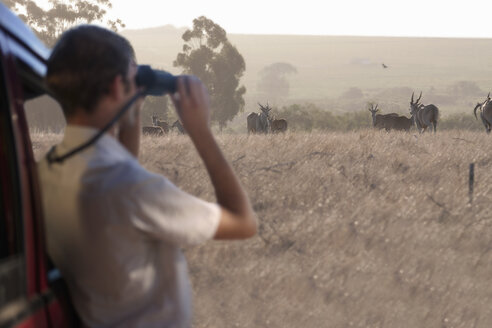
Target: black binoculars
[(155, 82)]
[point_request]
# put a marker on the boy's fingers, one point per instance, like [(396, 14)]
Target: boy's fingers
[(187, 82), (204, 93), (184, 86), (176, 100), (194, 84), (198, 92)]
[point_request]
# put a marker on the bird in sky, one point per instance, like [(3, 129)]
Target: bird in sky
[(384, 66)]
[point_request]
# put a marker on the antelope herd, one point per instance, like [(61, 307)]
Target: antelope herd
[(422, 116), (264, 123), (160, 127), (425, 116)]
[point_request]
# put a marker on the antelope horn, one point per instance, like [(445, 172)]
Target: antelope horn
[(411, 100), (419, 97)]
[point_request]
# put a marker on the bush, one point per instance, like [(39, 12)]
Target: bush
[(460, 121), (309, 117)]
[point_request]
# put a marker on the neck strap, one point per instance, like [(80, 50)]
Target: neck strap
[(53, 158)]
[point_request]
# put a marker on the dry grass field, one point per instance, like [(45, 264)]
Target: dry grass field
[(357, 229)]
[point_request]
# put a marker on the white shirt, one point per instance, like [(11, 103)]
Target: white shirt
[(115, 229)]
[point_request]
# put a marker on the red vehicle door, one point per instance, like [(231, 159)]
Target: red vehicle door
[(32, 294)]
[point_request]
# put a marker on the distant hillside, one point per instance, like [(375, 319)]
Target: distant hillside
[(329, 66)]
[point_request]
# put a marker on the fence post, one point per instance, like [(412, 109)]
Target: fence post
[(471, 180)]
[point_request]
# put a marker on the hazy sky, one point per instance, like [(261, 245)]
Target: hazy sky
[(459, 18)]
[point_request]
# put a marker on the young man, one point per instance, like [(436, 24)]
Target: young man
[(113, 228)]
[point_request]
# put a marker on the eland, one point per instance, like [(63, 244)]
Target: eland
[(259, 123), (390, 121), (163, 124), (423, 115), (485, 113), (278, 125)]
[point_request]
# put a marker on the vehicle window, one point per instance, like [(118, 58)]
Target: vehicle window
[(46, 123), (44, 115), (12, 264)]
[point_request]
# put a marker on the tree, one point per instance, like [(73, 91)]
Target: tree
[(353, 94), (465, 88), (208, 54), (49, 23), (273, 82)]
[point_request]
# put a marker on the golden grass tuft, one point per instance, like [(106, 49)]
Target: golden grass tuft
[(362, 229)]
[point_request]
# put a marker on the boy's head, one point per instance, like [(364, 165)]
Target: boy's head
[(83, 64)]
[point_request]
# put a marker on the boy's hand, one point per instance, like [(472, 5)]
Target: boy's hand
[(192, 105), (131, 118), (237, 219)]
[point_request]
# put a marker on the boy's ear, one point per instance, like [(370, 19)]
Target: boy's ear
[(117, 88)]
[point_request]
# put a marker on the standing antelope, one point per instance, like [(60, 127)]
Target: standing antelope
[(402, 123), (163, 124), (381, 121), (259, 122), (263, 122), (251, 122), (279, 125), (390, 121), (485, 113), (423, 115)]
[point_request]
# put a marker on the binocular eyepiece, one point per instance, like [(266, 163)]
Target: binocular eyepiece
[(155, 82)]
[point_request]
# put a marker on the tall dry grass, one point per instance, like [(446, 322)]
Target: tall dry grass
[(361, 229)]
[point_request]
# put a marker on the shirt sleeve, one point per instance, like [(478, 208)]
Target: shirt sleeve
[(167, 213)]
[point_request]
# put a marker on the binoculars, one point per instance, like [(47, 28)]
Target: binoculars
[(155, 82)]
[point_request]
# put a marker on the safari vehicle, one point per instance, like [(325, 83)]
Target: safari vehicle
[(32, 293)]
